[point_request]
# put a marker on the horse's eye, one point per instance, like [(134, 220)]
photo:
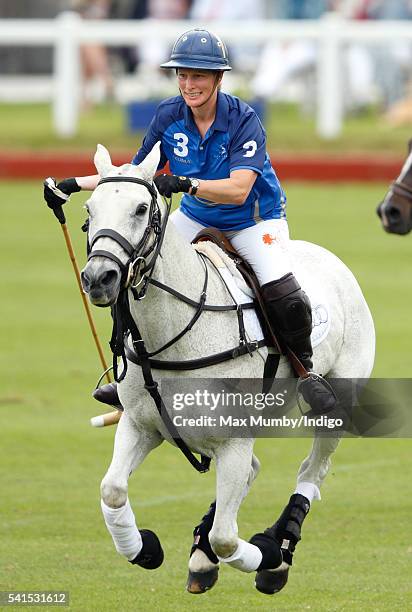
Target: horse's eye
[(141, 209), (87, 208)]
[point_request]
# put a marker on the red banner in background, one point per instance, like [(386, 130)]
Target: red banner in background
[(364, 168)]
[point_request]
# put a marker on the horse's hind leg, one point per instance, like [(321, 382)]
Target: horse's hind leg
[(203, 563), (130, 449)]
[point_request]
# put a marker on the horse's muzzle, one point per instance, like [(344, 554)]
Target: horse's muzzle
[(101, 281), (393, 220), (395, 213)]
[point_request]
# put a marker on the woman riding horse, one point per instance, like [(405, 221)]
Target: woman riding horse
[(216, 149)]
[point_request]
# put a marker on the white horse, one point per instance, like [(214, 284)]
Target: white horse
[(348, 351)]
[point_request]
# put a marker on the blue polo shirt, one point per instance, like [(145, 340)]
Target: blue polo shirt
[(235, 140)]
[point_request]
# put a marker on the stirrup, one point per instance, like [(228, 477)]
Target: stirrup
[(317, 392), (107, 394)]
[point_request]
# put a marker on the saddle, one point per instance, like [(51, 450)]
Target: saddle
[(271, 338), (217, 237)]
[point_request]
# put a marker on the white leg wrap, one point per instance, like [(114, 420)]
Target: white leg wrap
[(246, 558), (309, 490), (122, 527)]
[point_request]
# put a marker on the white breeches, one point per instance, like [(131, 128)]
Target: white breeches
[(264, 246)]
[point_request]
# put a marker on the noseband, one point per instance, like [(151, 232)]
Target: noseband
[(401, 189), (136, 265)]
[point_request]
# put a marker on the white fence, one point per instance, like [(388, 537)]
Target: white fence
[(69, 31)]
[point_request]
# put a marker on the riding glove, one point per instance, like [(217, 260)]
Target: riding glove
[(168, 184), (57, 195), (51, 191)]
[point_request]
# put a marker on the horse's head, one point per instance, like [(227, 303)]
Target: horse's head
[(395, 211), (124, 218)]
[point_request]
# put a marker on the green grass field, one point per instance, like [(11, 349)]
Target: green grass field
[(29, 127), (356, 550)]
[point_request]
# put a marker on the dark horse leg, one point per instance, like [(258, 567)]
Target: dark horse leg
[(201, 581), (286, 532), (204, 564), (283, 535)]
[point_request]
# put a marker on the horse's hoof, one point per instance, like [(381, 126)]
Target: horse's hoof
[(151, 556), (200, 582), (271, 582)]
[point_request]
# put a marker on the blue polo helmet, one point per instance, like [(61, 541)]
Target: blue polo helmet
[(201, 49)]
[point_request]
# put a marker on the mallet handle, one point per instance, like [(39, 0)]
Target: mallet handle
[(110, 418), (84, 299)]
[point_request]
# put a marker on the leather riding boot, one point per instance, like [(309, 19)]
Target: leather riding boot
[(107, 394), (290, 314)]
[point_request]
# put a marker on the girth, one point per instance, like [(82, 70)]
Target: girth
[(195, 364), (244, 346)]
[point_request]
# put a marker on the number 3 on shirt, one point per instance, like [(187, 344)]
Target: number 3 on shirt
[(181, 149), (250, 147)]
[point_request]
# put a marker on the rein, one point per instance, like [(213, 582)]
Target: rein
[(124, 326)]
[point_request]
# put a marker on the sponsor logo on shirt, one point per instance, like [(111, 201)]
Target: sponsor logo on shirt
[(182, 160)]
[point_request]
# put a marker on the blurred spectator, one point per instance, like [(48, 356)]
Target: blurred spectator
[(372, 73), (242, 56), (152, 50), (280, 62), (382, 9), (24, 60), (383, 70), (129, 9), (98, 80), (300, 9), (224, 10), (392, 61)]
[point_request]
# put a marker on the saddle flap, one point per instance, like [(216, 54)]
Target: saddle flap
[(217, 237)]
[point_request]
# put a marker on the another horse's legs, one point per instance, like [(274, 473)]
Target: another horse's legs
[(203, 563), (130, 449)]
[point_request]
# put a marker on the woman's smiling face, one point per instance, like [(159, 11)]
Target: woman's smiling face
[(196, 86)]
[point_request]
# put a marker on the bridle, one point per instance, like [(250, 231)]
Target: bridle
[(401, 189), (137, 270), (398, 198), (398, 202)]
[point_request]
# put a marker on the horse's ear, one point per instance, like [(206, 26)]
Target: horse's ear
[(150, 163), (102, 160)]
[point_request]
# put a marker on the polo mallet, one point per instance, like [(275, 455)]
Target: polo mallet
[(110, 418)]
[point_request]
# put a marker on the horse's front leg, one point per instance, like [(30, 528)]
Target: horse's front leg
[(287, 529), (203, 563), (232, 466), (141, 547)]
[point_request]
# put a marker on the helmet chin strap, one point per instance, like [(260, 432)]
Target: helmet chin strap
[(218, 78)]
